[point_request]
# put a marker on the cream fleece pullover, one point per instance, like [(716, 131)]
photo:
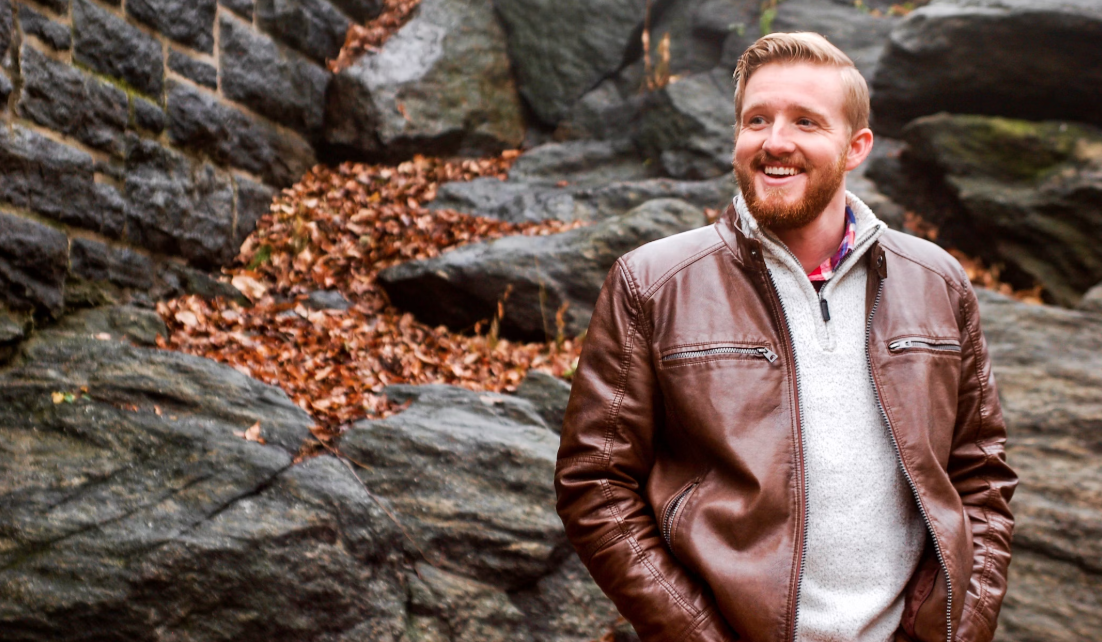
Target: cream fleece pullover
[(864, 533)]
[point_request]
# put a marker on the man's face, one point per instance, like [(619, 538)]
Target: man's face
[(794, 143)]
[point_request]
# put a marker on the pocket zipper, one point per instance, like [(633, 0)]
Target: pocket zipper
[(761, 351), (671, 512), (907, 344)]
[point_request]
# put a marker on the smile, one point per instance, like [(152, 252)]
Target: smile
[(780, 171)]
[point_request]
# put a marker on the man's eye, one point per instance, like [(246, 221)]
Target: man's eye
[(805, 122), (756, 120)]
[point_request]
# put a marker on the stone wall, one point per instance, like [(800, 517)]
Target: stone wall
[(140, 137)]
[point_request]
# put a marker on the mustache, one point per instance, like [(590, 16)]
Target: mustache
[(763, 158)]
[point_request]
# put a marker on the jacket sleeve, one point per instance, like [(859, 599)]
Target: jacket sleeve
[(605, 456), (980, 474)]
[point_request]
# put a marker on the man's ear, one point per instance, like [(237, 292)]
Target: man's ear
[(860, 144)]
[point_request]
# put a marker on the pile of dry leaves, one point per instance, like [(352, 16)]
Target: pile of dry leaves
[(334, 231), (361, 39)]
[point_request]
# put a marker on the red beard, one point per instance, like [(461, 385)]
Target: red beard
[(771, 210)]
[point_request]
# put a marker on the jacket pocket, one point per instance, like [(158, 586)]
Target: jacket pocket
[(685, 354), (925, 344), (672, 509), (919, 589)]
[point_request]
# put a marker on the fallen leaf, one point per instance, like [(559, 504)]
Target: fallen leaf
[(253, 434), (252, 289), (103, 336)]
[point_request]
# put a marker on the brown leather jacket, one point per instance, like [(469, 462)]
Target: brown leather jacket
[(681, 487)]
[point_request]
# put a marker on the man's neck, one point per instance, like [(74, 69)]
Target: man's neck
[(818, 240)]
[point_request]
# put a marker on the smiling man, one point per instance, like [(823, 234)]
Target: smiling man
[(784, 426)]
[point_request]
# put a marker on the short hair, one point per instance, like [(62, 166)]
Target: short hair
[(804, 47)]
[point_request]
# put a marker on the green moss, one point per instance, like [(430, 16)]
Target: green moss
[(1000, 147)]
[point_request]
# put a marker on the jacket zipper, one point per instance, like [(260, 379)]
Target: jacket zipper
[(824, 307), (760, 351), (899, 458), (803, 456), (671, 512), (907, 344)]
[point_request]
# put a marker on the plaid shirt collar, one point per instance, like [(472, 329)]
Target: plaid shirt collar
[(827, 267)]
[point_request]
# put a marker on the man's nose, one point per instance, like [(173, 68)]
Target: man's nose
[(778, 142)]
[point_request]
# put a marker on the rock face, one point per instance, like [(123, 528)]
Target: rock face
[(541, 273), (860, 35), (123, 470), (1031, 59), (561, 48), (1028, 195), (442, 84), (576, 181), (688, 126), (1046, 363)]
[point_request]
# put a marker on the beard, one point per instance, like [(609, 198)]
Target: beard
[(771, 209)]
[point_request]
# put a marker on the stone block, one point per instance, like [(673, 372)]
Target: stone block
[(253, 201), (194, 70), (96, 261), (280, 85), (108, 44), (33, 262), (56, 181), (243, 8), (35, 24), (188, 22), (313, 27), (69, 101), (179, 206), (147, 115), (199, 121)]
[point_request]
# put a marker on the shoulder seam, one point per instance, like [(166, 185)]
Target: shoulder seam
[(949, 280), (669, 274)]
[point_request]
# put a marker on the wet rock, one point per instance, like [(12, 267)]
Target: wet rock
[(199, 121), (33, 261), (1023, 194), (1092, 300), (96, 261), (194, 70), (327, 300), (282, 86), (179, 206), (469, 476), (861, 35), (688, 126), (456, 96), (56, 181), (54, 34), (314, 27), (562, 49), (124, 322), (1046, 364), (69, 101), (1029, 59), (188, 22), (111, 46), (542, 273), (548, 394), (576, 180)]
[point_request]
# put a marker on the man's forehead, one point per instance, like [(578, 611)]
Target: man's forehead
[(804, 86)]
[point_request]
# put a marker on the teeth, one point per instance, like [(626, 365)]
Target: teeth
[(781, 171)]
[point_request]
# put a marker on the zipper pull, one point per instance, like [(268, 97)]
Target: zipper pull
[(899, 345), (825, 309), (768, 354)]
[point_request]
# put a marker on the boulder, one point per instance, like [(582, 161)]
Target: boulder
[(687, 127), (1031, 59), (548, 394), (1049, 372), (562, 48), (442, 84), (33, 261), (1023, 194), (540, 273), (1092, 300), (860, 34)]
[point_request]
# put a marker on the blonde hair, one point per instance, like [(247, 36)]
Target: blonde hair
[(804, 47)]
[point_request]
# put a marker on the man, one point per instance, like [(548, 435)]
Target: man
[(784, 426)]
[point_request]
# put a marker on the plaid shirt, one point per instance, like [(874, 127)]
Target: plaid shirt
[(827, 267)]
